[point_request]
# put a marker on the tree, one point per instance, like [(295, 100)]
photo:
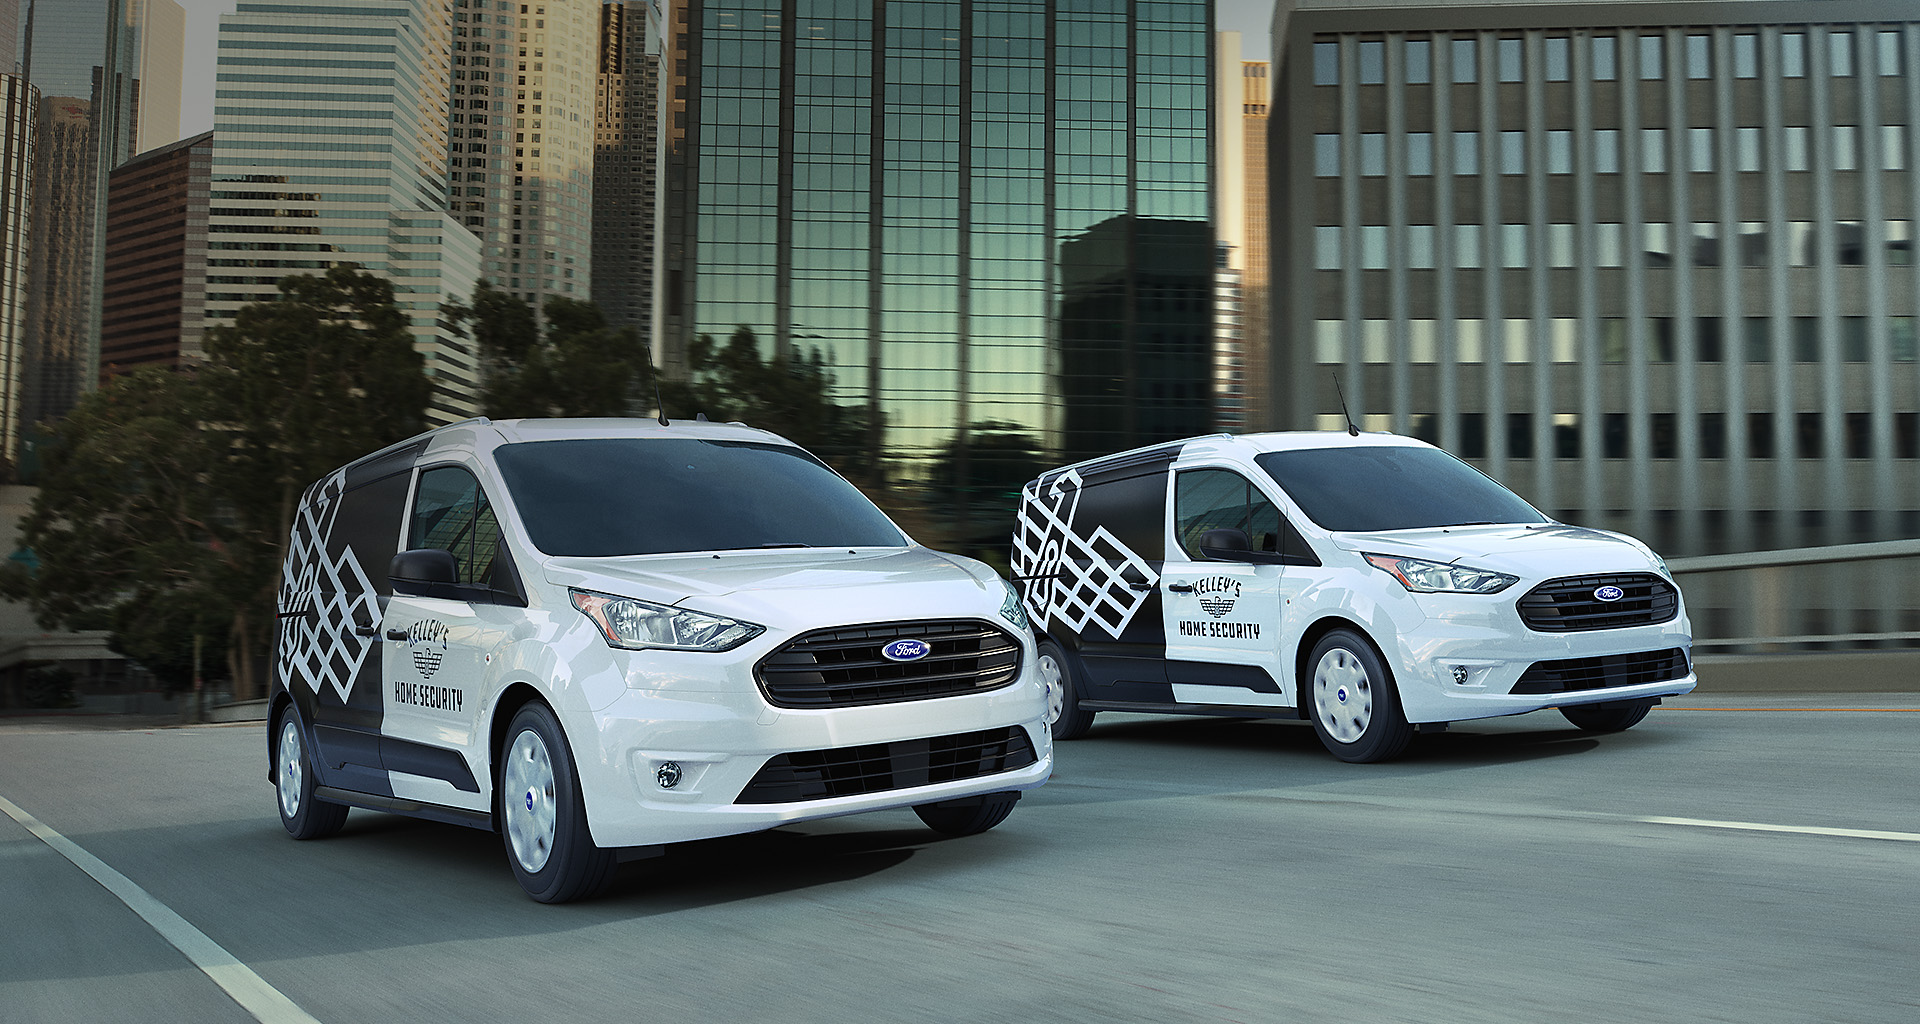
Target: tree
[(789, 394), (580, 367), (124, 529), (167, 499)]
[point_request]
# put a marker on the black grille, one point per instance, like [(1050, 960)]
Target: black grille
[(877, 767), (1574, 674), (837, 668), (1567, 605)]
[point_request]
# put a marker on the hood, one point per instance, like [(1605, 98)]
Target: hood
[(1537, 551), (797, 585)]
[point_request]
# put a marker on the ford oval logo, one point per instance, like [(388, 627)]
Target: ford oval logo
[(906, 650), (1609, 594)]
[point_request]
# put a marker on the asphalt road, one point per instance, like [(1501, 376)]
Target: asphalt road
[(1174, 870)]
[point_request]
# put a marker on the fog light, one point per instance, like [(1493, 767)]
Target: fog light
[(668, 775), (1460, 675)]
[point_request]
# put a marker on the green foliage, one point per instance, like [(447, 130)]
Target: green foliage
[(580, 367), (788, 393), (167, 499)]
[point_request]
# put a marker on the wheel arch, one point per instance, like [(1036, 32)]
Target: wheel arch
[(1311, 637), (282, 700)]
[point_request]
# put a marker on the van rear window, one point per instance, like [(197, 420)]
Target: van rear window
[(603, 497), (1363, 489)]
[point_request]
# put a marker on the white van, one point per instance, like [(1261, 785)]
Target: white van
[(1370, 583), (599, 636)]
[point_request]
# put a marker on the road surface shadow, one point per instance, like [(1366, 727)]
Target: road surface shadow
[(1472, 744)]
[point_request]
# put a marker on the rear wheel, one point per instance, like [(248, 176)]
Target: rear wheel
[(542, 815), (1612, 717), (304, 816), (969, 815), (1356, 710), (1058, 673)]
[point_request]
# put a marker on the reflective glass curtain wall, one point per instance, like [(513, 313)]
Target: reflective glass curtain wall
[(989, 216)]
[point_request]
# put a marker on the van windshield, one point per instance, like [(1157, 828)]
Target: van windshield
[(1362, 489), (603, 497)]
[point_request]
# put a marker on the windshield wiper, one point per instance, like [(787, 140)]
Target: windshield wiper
[(784, 544)]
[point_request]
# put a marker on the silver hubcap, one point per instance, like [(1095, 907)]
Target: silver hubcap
[(1342, 695), (1056, 688), (526, 790), (292, 767)]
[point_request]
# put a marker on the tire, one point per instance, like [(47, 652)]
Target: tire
[(304, 816), (1355, 708), (968, 816), (1059, 672), (1614, 717), (543, 820)]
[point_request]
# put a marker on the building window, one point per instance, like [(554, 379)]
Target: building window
[(1606, 150), (1746, 55), (1326, 156), (1699, 57), (1465, 61), (1466, 153), (1746, 146), (1889, 54), (1606, 244), (1559, 58), (1509, 55), (1653, 150), (1559, 151), (1373, 155), (1758, 339), (1605, 49), (1513, 152), (1326, 64), (1560, 250), (1793, 55), (1373, 247), (1700, 148), (1420, 246), (1326, 247), (1327, 341), (1893, 147), (1373, 61), (1840, 54), (1651, 60), (1419, 61), (1753, 244), (1846, 147), (1420, 154), (1798, 147), (1513, 246), (1466, 245)]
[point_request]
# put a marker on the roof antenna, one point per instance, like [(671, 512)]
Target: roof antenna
[(1352, 430), (658, 404)]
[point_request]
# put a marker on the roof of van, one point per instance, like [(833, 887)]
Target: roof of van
[(1286, 440)]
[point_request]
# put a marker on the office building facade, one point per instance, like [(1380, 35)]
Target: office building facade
[(156, 286), (1650, 264), (1240, 147), (522, 142), (19, 106), (626, 164), (331, 147), (960, 205)]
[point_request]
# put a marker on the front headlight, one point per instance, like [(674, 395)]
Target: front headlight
[(1424, 577), (1011, 609), (643, 625)]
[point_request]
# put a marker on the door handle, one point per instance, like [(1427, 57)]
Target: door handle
[(1141, 586), (372, 631), (1180, 588), (396, 634)]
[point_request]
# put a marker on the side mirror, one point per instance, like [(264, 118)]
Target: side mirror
[(422, 572), (1226, 545)]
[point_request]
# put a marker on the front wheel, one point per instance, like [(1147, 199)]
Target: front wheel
[(1355, 709), (969, 815), (1613, 717), (304, 816), (1064, 717), (543, 816)]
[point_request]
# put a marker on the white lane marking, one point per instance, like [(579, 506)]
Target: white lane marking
[(1805, 830), (266, 1003)]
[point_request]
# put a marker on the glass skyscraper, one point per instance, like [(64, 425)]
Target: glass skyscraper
[(991, 217), (330, 147)]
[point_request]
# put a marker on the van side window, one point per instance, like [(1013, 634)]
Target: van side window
[(367, 525), (1219, 499), (452, 513)]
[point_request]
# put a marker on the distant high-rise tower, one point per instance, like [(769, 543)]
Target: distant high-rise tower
[(158, 56), (156, 290), (19, 102), (342, 161), (89, 59), (522, 141), (626, 154)]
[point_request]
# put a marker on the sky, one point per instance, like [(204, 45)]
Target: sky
[(1248, 17)]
